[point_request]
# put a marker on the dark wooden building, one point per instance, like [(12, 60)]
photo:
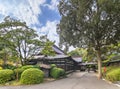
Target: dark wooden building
[(62, 60)]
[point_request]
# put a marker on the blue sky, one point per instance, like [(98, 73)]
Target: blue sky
[(41, 15)]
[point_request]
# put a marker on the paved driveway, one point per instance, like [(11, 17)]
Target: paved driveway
[(76, 80)]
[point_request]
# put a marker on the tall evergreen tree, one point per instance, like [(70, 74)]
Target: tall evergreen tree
[(90, 23)]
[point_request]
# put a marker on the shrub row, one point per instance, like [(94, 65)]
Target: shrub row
[(29, 74), (8, 74)]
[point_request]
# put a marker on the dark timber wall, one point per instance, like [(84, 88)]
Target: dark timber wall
[(66, 63)]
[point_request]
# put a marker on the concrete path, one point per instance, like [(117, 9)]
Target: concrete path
[(77, 80)]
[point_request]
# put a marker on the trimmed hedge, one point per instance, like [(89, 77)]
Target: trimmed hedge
[(57, 72), (6, 75), (32, 76)]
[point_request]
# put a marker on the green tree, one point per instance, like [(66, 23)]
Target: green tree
[(25, 43), (79, 52), (4, 55), (93, 23), (91, 54), (48, 50), (113, 51), (22, 40)]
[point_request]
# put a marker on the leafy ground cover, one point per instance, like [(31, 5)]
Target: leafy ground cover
[(112, 73)]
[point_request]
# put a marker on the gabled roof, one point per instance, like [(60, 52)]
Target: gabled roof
[(57, 50), (77, 59)]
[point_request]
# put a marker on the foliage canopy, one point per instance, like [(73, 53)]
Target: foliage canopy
[(93, 23)]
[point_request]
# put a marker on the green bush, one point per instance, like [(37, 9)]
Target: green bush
[(9, 66), (27, 67), (108, 69), (6, 75), (36, 66), (18, 71), (1, 68), (57, 72), (32, 76), (113, 75), (53, 65)]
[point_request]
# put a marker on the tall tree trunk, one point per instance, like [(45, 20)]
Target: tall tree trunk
[(99, 64)]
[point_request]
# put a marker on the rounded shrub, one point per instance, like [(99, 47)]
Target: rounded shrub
[(6, 75), (27, 67), (57, 72), (32, 76), (18, 71), (53, 65)]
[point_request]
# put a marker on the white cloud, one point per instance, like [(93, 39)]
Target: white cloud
[(53, 5), (50, 30), (26, 10), (34, 5)]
